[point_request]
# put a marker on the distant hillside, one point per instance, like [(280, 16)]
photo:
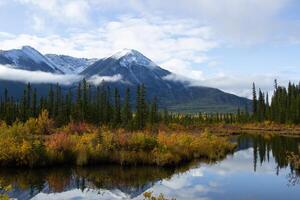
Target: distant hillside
[(126, 68)]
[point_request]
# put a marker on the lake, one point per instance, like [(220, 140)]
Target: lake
[(257, 170)]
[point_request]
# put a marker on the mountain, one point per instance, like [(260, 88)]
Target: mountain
[(69, 64), (135, 68), (27, 58), (130, 68)]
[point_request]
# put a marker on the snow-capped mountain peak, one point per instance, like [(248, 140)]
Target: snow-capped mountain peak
[(28, 58), (35, 55), (69, 64), (127, 57)]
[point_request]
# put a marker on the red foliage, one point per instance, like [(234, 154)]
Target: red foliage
[(122, 139), (78, 128), (59, 141)]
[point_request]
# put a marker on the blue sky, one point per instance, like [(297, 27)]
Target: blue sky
[(226, 44)]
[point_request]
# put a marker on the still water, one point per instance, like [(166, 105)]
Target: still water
[(257, 170)]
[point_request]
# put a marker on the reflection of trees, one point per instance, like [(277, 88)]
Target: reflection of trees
[(58, 180), (279, 146), (293, 178), (130, 180), (118, 177)]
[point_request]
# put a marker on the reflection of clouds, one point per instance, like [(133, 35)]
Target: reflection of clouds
[(178, 181), (213, 184), (184, 186), (241, 161), (190, 192), (222, 180), (90, 194), (196, 172)]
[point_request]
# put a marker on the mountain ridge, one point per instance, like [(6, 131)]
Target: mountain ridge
[(132, 68)]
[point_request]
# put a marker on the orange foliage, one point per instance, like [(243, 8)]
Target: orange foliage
[(78, 128), (26, 144), (59, 141)]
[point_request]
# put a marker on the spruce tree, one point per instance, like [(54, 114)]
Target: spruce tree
[(126, 111), (254, 101), (153, 112), (117, 108), (34, 103)]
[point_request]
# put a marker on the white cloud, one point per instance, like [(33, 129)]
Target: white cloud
[(176, 35), (240, 85), (9, 73), (97, 80), (77, 11), (177, 78), (183, 70), (247, 21), (67, 12), (175, 45), (38, 23)]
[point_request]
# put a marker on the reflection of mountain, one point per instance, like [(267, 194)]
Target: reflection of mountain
[(129, 182), (214, 181)]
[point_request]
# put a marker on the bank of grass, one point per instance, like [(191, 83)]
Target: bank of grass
[(37, 143), (224, 129)]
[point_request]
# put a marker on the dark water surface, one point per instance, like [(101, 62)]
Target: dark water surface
[(258, 170)]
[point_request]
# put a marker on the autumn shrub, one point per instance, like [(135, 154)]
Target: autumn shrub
[(78, 128), (36, 143), (142, 141), (42, 125), (87, 148), (19, 147), (60, 147)]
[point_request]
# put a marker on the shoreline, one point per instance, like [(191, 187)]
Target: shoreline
[(236, 129)]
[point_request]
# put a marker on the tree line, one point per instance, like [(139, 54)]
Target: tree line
[(97, 105), (103, 105), (284, 106)]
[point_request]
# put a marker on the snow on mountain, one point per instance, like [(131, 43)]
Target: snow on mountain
[(130, 68), (128, 57), (28, 58), (70, 65), (36, 56), (132, 65)]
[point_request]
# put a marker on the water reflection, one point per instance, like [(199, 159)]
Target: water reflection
[(125, 182), (264, 145), (258, 169)]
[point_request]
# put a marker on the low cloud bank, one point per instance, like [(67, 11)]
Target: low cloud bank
[(178, 78), (238, 85), (97, 80), (9, 73)]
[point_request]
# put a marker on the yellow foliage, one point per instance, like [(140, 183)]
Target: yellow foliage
[(42, 125), (27, 144)]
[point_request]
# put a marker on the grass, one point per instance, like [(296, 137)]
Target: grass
[(223, 129)]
